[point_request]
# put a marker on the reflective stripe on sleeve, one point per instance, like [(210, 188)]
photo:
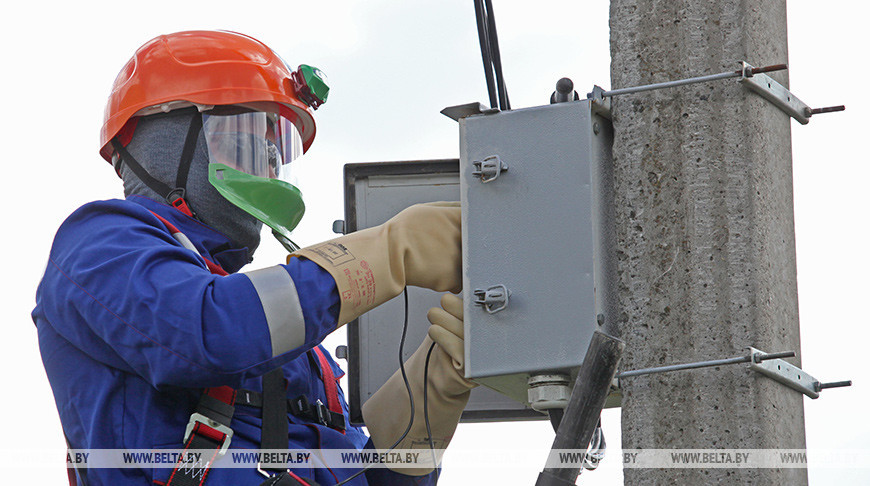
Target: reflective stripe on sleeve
[(281, 305)]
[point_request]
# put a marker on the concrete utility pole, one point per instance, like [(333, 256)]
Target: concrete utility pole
[(706, 234)]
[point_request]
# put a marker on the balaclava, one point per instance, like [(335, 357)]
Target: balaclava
[(157, 145)]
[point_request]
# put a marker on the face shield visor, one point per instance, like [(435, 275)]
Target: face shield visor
[(258, 143), (250, 152)]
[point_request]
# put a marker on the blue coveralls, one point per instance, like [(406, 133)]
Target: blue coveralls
[(132, 326)]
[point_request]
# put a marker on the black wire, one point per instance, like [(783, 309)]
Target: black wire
[(480, 16), (407, 387), (426, 412), (492, 36), (405, 375)]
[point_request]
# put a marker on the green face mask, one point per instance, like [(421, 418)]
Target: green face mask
[(276, 203)]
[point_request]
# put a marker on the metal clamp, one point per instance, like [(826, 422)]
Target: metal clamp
[(751, 77), (202, 419), (780, 96), (769, 364), (789, 374), (776, 93), (489, 168), (493, 299)]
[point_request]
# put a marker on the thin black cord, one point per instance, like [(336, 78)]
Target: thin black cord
[(407, 387), (492, 36), (405, 375), (426, 412), (483, 36)]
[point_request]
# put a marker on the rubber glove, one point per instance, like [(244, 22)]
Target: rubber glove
[(420, 246), (387, 412)]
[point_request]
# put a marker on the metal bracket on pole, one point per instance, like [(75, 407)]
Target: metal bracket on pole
[(768, 364), (751, 77), (790, 375), (776, 93)]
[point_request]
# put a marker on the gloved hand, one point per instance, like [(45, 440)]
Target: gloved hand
[(420, 246), (387, 412)]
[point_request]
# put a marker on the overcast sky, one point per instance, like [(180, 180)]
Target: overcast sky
[(392, 66)]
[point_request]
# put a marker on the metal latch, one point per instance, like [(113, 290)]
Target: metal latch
[(493, 299), (489, 168)]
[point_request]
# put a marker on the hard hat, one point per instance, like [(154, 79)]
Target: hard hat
[(209, 68)]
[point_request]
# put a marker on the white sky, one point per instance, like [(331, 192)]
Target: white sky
[(392, 66)]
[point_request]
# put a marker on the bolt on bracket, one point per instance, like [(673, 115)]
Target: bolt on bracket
[(769, 364), (784, 372), (750, 76), (776, 93), (789, 374)]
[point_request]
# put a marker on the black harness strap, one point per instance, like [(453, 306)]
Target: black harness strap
[(188, 151), (276, 427), (300, 406)]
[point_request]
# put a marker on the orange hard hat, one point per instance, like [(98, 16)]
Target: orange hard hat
[(202, 68)]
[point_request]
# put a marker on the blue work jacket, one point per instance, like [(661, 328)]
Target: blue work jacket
[(133, 326)]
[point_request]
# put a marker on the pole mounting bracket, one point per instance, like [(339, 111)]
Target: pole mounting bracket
[(789, 374), (752, 77), (776, 93), (768, 364), (784, 372)]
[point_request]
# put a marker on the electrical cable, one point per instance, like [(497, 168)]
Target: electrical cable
[(480, 16), (492, 36), (597, 448), (426, 413), (407, 387), (489, 51)]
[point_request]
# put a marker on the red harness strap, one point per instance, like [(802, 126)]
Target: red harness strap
[(208, 429), (329, 382), (209, 426), (178, 235)]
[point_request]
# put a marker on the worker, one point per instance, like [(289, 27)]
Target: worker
[(151, 337)]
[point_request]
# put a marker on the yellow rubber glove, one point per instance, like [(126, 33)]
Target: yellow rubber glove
[(420, 246), (388, 411)]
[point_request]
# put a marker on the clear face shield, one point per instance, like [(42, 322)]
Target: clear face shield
[(258, 143), (250, 152)]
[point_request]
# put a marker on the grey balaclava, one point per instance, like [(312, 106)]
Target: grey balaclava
[(157, 145)]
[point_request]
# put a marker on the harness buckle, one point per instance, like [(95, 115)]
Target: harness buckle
[(322, 414), (196, 418)]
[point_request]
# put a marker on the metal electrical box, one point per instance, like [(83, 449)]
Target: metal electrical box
[(375, 192), (538, 252), (538, 242)]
